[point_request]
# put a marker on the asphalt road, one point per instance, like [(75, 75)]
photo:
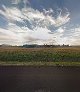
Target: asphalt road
[(39, 79)]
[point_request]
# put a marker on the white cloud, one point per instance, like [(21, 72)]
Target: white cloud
[(9, 37), (60, 30), (75, 38), (46, 18), (71, 36), (34, 26), (12, 14), (62, 20)]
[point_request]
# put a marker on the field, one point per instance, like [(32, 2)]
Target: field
[(60, 56)]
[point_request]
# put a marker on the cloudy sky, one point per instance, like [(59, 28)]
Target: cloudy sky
[(40, 22)]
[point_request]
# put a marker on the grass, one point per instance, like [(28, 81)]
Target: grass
[(11, 63), (60, 56)]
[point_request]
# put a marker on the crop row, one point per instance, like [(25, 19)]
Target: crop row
[(45, 56)]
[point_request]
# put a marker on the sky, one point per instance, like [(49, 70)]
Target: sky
[(40, 22)]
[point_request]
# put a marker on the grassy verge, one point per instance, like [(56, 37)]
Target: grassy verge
[(12, 63)]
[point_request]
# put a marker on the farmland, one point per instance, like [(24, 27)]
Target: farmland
[(40, 56)]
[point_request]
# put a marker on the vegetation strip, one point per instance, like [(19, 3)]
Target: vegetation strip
[(60, 56), (39, 63), (65, 54)]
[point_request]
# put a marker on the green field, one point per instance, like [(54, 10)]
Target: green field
[(40, 56)]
